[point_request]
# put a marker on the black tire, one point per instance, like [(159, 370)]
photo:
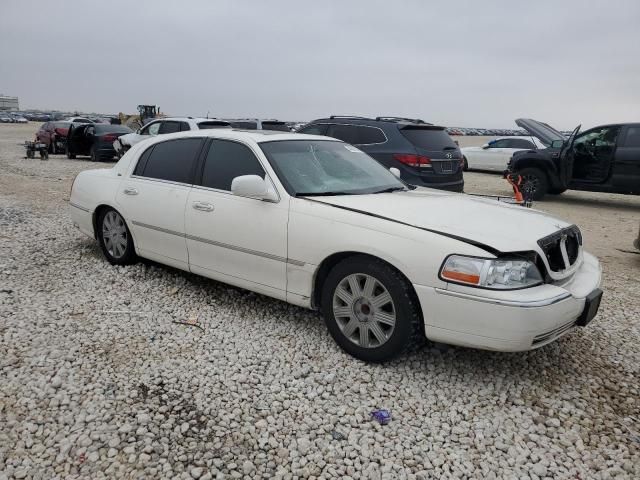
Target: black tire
[(408, 330), (70, 156), (557, 191), (535, 184), (465, 165), (115, 257)]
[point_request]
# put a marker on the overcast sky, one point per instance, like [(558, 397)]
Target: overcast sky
[(457, 63)]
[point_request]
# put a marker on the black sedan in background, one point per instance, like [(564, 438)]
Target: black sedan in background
[(94, 139)]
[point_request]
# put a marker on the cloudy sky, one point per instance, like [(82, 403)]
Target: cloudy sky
[(462, 63)]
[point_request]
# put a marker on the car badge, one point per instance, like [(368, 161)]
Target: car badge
[(448, 155)]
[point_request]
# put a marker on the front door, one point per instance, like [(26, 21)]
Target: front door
[(626, 168), (241, 241), (154, 196), (593, 152)]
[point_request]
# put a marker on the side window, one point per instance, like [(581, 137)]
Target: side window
[(314, 129), (633, 137), (227, 160), (169, 127), (151, 129), (184, 127), (172, 160), (368, 135), (346, 133), (520, 143), (498, 144)]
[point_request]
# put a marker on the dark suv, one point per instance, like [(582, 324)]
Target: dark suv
[(601, 159), (424, 153)]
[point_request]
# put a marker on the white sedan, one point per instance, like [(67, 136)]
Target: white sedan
[(494, 155), (317, 223)]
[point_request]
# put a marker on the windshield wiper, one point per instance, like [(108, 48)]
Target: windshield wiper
[(391, 189), (321, 194)]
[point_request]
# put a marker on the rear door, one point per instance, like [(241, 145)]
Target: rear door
[(626, 169), (154, 196)]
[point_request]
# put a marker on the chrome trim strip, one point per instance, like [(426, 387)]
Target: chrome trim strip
[(160, 180), (221, 245), (79, 207), (507, 303)]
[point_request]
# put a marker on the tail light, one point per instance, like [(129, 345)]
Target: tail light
[(109, 137), (61, 131), (413, 160)]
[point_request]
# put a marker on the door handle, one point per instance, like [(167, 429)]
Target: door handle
[(130, 191), (203, 207)]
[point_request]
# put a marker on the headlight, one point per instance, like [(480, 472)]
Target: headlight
[(496, 274)]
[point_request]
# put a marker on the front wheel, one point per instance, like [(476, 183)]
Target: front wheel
[(115, 238), (370, 309), (535, 184)]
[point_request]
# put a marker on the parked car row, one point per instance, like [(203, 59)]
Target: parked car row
[(12, 117)]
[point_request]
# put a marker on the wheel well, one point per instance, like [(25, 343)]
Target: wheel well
[(331, 261), (96, 213)]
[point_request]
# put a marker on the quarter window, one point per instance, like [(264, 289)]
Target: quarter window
[(172, 160), (227, 160), (316, 129)]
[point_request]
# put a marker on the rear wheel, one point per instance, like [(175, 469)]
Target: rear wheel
[(115, 238), (534, 183), (370, 309)]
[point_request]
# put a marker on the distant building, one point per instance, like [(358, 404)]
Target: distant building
[(9, 103)]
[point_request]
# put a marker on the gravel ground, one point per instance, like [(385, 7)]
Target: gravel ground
[(97, 381)]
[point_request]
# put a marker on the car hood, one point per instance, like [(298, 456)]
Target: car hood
[(544, 132), (477, 220)]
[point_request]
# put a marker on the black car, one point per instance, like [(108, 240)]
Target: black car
[(94, 139), (601, 159), (424, 153)]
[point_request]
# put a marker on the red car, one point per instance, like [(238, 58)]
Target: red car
[(54, 135)]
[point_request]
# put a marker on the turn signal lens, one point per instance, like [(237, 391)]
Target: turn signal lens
[(496, 274)]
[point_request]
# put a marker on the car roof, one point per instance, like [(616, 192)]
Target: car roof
[(194, 119), (385, 120), (258, 136)]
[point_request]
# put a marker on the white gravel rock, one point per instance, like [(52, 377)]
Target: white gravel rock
[(98, 382)]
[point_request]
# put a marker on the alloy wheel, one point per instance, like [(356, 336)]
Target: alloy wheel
[(114, 234), (364, 310)]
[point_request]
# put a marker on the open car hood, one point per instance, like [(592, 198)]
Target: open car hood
[(546, 133)]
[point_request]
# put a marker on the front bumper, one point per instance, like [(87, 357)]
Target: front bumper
[(508, 321)]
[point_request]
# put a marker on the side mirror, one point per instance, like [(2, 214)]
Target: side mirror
[(395, 171), (485, 146), (557, 144), (252, 186)]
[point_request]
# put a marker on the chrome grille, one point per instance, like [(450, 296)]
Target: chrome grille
[(562, 248)]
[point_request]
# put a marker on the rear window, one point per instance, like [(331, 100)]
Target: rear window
[(106, 128), (210, 125), (277, 126), (428, 138)]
